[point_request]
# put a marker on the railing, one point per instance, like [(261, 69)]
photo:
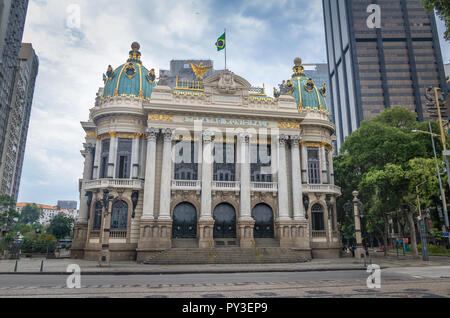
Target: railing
[(94, 234), (114, 183), (186, 185), (226, 185), (322, 188), (264, 186), (319, 234), (118, 234)]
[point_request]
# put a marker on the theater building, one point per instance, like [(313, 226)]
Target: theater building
[(211, 169)]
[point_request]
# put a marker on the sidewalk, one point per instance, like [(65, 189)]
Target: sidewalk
[(59, 266)]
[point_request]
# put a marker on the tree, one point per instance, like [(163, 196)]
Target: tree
[(30, 214), (60, 226), (443, 10), (8, 213), (380, 160)]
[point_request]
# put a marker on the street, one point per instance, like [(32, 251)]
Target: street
[(411, 282)]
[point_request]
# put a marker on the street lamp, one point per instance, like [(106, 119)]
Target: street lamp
[(104, 257), (423, 237), (356, 204)]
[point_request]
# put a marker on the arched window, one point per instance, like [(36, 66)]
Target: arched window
[(317, 215), (97, 217), (119, 216)]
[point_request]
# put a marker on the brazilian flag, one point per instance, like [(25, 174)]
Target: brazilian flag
[(221, 43)]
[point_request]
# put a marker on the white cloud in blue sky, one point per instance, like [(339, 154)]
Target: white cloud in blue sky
[(264, 36)]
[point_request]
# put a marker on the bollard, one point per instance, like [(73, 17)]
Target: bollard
[(42, 266), (15, 267)]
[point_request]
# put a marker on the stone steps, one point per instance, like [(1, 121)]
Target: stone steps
[(266, 242), (178, 256)]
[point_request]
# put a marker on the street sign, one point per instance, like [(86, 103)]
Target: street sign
[(446, 153), (445, 234)]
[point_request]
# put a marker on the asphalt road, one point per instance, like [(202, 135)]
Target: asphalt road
[(398, 282)]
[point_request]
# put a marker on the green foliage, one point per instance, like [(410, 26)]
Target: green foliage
[(30, 214), (443, 9), (42, 243), (385, 161), (61, 226)]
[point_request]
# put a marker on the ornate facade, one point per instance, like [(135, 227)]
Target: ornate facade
[(211, 164)]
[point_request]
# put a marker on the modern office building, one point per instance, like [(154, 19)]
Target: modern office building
[(16, 134), (12, 21), (67, 205), (372, 69), (211, 171)]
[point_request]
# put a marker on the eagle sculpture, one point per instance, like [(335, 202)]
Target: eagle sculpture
[(200, 70)]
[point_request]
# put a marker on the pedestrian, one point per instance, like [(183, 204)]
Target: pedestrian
[(353, 250), (367, 249)]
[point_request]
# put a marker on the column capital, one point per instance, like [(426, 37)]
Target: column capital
[(245, 138), (283, 139), (152, 133), (207, 136), (295, 141), (168, 134), (89, 148)]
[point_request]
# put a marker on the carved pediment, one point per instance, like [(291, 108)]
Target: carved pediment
[(227, 83)]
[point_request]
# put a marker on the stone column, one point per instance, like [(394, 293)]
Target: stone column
[(112, 155), (323, 163), (98, 152), (330, 156), (359, 247), (87, 172), (150, 172), (274, 159), (135, 156), (244, 144), (297, 187), (305, 178), (283, 207), (166, 176), (207, 165), (142, 158)]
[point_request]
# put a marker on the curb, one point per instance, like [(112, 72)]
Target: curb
[(175, 272)]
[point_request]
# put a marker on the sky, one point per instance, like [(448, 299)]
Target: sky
[(77, 39)]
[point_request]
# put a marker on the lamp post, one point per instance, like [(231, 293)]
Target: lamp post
[(421, 219), (357, 207), (104, 256)]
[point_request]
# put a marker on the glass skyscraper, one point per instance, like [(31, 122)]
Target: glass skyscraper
[(372, 69)]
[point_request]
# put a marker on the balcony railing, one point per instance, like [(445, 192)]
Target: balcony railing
[(114, 183), (264, 186), (226, 186), (186, 185), (118, 234), (319, 234), (322, 188)]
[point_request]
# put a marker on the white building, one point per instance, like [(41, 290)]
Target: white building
[(209, 166)]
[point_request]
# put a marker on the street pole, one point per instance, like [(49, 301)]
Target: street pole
[(359, 247), (423, 237)]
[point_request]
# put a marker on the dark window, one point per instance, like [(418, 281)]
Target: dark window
[(97, 222), (313, 166), (119, 216), (224, 162), (327, 161), (186, 166), (124, 158), (104, 159), (318, 222), (260, 159)]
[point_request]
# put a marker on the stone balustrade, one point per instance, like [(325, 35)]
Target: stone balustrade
[(113, 184)]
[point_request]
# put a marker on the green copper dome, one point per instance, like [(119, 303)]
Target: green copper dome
[(130, 79), (305, 91)]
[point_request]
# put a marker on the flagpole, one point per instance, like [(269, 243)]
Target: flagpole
[(226, 48)]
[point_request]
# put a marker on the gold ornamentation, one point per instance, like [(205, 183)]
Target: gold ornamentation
[(113, 134), (138, 135), (130, 70), (289, 125), (125, 136), (200, 70), (309, 86), (91, 134), (159, 117), (151, 76)]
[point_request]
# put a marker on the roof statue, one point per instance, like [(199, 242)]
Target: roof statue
[(200, 70)]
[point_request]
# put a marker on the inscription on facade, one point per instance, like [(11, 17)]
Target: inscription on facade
[(227, 121)]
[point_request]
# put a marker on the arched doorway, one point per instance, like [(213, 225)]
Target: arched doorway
[(119, 216), (264, 225), (184, 221), (225, 221)]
